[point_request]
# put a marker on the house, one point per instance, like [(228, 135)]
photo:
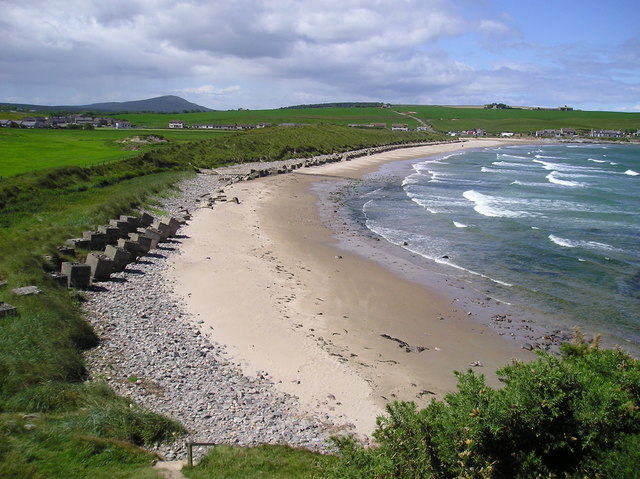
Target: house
[(548, 133), (568, 132), (123, 124), (400, 127), (176, 124), (606, 133), (506, 134), (368, 125)]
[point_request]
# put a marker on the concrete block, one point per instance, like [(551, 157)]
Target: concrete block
[(59, 278), (155, 236), (121, 258), (133, 247), (124, 227), (163, 228), (146, 220), (51, 262), (101, 266), (78, 274), (26, 291), (145, 241), (174, 225), (66, 250), (132, 221), (111, 232), (7, 310), (96, 239), (78, 243)]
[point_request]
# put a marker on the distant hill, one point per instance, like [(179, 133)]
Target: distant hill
[(161, 104)]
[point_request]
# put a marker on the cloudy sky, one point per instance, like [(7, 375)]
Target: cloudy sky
[(226, 54)]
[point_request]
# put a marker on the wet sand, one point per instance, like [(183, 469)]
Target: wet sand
[(268, 279)]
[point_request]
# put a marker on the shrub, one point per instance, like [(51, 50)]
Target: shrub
[(577, 415)]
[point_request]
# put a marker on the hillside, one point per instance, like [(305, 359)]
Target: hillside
[(161, 104)]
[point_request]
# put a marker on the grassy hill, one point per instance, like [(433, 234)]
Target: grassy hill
[(444, 119), (25, 150), (332, 115)]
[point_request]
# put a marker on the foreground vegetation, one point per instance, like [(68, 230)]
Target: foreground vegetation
[(53, 423), (574, 416)]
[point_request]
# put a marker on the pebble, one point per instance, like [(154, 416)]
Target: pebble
[(146, 333)]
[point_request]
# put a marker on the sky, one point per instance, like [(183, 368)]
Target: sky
[(260, 54)]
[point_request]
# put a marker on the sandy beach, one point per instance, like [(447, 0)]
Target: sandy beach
[(267, 278)]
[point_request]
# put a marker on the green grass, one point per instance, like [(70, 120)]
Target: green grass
[(26, 150), (520, 121), (311, 116), (38, 446), (263, 462)]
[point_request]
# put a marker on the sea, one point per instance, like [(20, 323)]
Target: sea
[(553, 229)]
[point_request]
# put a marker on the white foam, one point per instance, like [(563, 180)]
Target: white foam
[(491, 205), (631, 173), (568, 243), (553, 178), (460, 225), (509, 163)]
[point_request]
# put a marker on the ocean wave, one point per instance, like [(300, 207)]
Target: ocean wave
[(485, 169), (631, 173), (398, 238), (493, 206), (568, 243), (564, 168), (508, 163), (550, 157), (517, 157), (460, 225), (553, 178), (470, 271), (527, 183)]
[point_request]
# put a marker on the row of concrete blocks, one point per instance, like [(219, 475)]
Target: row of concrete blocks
[(123, 243)]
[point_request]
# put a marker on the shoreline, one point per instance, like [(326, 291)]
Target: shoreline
[(268, 279)]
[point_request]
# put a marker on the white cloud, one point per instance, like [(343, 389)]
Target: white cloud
[(272, 53), (209, 90)]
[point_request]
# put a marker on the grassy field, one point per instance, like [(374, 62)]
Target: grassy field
[(446, 119), (334, 115), (30, 149), (441, 118)]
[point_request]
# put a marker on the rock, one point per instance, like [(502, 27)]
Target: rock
[(26, 291)]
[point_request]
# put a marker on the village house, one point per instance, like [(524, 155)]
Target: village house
[(368, 125), (176, 124), (400, 127), (606, 133)]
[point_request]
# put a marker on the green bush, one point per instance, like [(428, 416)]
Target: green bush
[(577, 415)]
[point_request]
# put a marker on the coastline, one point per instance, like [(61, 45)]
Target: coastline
[(268, 279)]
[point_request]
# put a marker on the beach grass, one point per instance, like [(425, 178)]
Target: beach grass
[(263, 462)]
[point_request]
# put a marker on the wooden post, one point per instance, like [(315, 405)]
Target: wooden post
[(189, 455)]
